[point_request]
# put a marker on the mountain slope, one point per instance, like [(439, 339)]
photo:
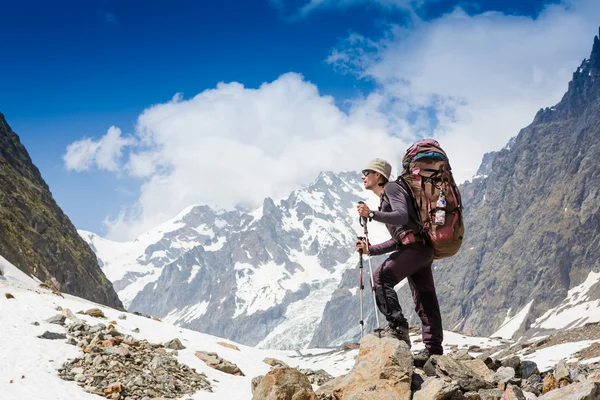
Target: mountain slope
[(533, 224), (260, 278), (36, 236)]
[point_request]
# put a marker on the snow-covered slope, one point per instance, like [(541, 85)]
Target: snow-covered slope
[(29, 365)]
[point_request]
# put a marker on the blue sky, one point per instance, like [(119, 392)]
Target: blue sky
[(73, 69)]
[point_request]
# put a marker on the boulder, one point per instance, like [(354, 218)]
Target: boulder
[(214, 361), (383, 371), (283, 384), (576, 391)]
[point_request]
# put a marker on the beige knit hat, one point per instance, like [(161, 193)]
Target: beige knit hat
[(381, 166)]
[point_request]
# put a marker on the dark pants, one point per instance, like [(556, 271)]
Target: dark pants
[(413, 262)]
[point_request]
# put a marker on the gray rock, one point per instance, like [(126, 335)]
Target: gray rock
[(513, 362), (527, 369), (175, 344), (561, 371), (576, 391), (57, 319), (465, 376), (436, 388), (52, 335), (503, 374), (491, 394)]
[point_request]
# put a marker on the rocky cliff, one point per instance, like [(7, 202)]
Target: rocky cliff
[(533, 219), (36, 236)]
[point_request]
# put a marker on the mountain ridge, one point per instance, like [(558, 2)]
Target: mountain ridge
[(35, 234)]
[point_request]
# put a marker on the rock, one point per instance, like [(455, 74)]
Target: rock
[(529, 395), (229, 345), (273, 362), (491, 394), (9, 296), (467, 379), (254, 382), (462, 355), (417, 381), (174, 344), (284, 383), (57, 319), (71, 316), (576, 391), (120, 367), (383, 370), (472, 396), (122, 316), (503, 374), (480, 369), (35, 323), (436, 389), (561, 371), (527, 369), (95, 312), (512, 362), (513, 393), (316, 377), (52, 335), (214, 361), (549, 383), (350, 346), (325, 391)]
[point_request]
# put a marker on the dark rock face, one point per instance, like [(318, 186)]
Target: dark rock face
[(533, 224), (36, 236)]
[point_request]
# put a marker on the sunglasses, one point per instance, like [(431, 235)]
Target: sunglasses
[(367, 172)]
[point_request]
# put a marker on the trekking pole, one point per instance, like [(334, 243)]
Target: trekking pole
[(363, 222), (361, 288)]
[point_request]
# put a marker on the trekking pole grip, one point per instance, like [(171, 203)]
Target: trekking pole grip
[(362, 220)]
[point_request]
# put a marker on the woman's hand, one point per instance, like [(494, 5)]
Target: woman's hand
[(361, 246), (363, 210)]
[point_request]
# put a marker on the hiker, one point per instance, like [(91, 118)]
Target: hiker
[(411, 258)]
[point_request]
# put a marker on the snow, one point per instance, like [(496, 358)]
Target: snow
[(576, 310), (220, 223), (37, 360), (188, 314), (217, 245), (9, 272), (195, 270), (130, 291), (511, 325), (301, 318), (31, 363), (548, 357)]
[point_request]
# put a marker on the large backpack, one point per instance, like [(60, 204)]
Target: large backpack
[(425, 173)]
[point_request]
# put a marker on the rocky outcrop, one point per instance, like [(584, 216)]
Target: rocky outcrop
[(36, 236), (118, 366), (283, 383), (384, 370), (533, 224)]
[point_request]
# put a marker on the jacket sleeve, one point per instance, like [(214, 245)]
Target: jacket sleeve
[(399, 203), (383, 248)]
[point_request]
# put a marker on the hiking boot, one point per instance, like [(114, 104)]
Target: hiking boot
[(420, 358), (400, 333)]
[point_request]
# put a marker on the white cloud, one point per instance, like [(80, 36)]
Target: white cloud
[(235, 145), (103, 154), (483, 76)]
